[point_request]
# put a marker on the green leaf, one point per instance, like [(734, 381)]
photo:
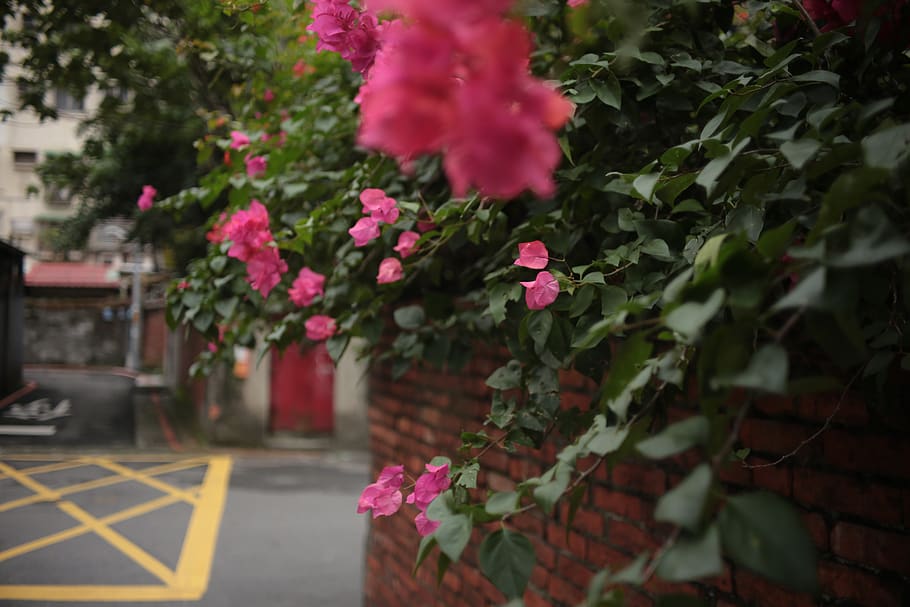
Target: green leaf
[(502, 503), (764, 533), (582, 300), (627, 364), (611, 298), (689, 318), (709, 175), (873, 239), (336, 345), (453, 534), (203, 320), (409, 317), (507, 559), (609, 91), (799, 152), (823, 76), (646, 184), (548, 494), (507, 377), (683, 505), (774, 242), (608, 440), (427, 543), (540, 322), (226, 307), (692, 558), (468, 476), (767, 371), (888, 148), (500, 295), (676, 438), (809, 292)]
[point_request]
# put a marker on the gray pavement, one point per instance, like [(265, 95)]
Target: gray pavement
[(289, 533)]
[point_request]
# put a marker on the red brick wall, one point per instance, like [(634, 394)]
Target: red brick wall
[(851, 483), (154, 337)]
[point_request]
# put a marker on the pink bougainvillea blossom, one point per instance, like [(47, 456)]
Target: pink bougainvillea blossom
[(384, 496), (147, 198), (300, 69), (182, 285), (379, 206), (389, 271), (576, 3), (239, 140), (306, 287), (532, 255), (425, 526), (345, 30), (268, 96), (365, 230), (542, 291), (424, 225), (255, 166), (320, 327), (407, 243), (216, 234), (248, 231), (430, 484), (264, 270)]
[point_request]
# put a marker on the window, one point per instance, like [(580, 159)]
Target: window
[(25, 158), (68, 102), (58, 195)]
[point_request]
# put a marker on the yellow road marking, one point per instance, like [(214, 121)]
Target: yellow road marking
[(195, 564), (111, 519), (141, 477), (73, 463), (188, 583), (137, 554), (97, 594), (99, 483)]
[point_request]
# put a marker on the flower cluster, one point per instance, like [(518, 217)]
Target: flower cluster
[(452, 77), (343, 29), (384, 496), (380, 209), (251, 243), (147, 198), (544, 289)]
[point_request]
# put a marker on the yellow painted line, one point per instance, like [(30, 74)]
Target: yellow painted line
[(137, 554), (111, 519), (126, 457), (195, 564), (145, 479), (73, 463), (97, 594), (99, 483), (41, 492)]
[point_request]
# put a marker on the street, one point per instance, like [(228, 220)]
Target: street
[(195, 530)]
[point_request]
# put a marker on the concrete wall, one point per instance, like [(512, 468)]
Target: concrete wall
[(76, 332)]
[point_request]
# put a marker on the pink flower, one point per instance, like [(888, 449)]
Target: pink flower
[(248, 231), (216, 234), (239, 140), (147, 198), (255, 166), (389, 271), (212, 347), (542, 291), (407, 243), (183, 285), (430, 484), (306, 287), (300, 69), (365, 230), (383, 496), (347, 31), (424, 226), (576, 3), (424, 525), (264, 270), (320, 327), (532, 255), (268, 95), (379, 206)]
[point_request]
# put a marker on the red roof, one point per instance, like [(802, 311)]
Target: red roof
[(72, 275)]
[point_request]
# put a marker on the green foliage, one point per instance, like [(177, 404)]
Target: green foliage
[(730, 221)]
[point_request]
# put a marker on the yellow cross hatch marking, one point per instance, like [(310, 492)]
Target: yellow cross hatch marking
[(190, 579)]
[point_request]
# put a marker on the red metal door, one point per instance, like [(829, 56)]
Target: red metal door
[(302, 390)]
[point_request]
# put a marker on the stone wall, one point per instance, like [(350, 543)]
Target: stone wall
[(76, 332), (850, 483)]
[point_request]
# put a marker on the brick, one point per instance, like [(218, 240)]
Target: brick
[(561, 590), (873, 547), (843, 582), (591, 523), (817, 528), (819, 407), (574, 571), (532, 599), (624, 505), (777, 478), (847, 495), (754, 588), (599, 555), (880, 454), (649, 480), (627, 537), (777, 437), (540, 576)]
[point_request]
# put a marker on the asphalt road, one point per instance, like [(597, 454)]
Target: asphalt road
[(233, 530)]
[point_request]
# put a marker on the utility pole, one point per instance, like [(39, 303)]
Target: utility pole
[(132, 356)]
